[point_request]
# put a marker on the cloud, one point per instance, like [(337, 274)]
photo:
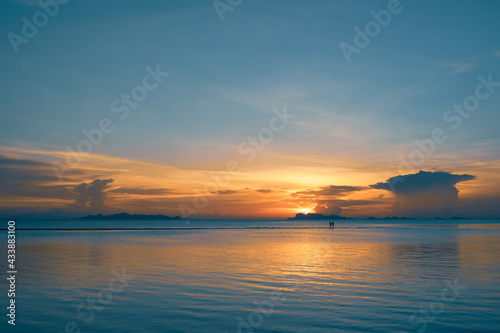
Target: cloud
[(332, 190), (32, 185), (462, 68), (141, 191), (30, 179), (265, 191), (421, 181), (4, 160), (328, 207), (424, 194), (91, 196), (327, 198), (356, 203), (226, 192), (480, 207)]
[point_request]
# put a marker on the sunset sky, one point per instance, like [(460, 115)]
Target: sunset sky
[(261, 114)]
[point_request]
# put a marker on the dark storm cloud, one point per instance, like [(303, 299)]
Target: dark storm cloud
[(424, 194), (421, 181), (480, 207)]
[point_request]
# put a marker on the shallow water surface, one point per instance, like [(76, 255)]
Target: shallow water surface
[(257, 276)]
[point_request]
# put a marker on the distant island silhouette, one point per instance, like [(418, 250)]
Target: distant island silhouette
[(125, 216), (302, 216), (313, 216), (299, 216)]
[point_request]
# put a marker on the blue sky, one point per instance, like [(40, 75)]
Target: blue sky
[(227, 76)]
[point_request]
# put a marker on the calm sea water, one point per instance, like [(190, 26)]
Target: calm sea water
[(256, 276)]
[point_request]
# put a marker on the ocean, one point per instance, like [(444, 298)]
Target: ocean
[(255, 276)]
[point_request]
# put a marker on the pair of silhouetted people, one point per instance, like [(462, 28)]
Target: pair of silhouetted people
[(332, 224)]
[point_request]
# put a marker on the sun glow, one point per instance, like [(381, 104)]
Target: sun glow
[(305, 211)]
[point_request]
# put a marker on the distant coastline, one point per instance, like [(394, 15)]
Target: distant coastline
[(126, 216), (302, 216)]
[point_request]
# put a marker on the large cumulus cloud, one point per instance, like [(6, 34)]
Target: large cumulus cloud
[(424, 194), (91, 195)]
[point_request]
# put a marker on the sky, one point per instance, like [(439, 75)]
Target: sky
[(250, 109)]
